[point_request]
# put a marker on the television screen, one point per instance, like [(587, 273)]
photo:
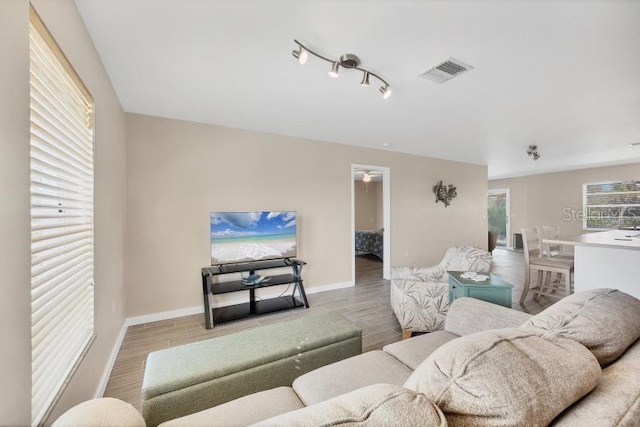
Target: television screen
[(252, 236)]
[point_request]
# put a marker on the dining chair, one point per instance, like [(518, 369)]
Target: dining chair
[(548, 249), (535, 261)]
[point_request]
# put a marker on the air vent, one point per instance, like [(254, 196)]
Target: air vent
[(446, 70)]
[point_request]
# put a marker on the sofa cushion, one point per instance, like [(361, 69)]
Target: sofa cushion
[(505, 377), (470, 315), (616, 399), (243, 411), (341, 377), (606, 321), (413, 351), (375, 405)]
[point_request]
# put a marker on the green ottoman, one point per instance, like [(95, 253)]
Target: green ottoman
[(190, 378)]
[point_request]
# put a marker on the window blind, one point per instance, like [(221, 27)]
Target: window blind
[(611, 205), (61, 219)]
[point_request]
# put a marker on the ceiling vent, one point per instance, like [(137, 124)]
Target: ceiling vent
[(446, 70)]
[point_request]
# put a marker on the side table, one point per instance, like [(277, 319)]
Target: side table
[(494, 290)]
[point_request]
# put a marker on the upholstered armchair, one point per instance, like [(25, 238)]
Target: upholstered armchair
[(420, 296)]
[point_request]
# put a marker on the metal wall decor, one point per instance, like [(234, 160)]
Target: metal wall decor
[(444, 193)]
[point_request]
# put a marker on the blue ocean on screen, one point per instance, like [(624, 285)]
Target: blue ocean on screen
[(252, 236)]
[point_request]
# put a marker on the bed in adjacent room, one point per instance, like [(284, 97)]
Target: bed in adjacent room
[(369, 241)]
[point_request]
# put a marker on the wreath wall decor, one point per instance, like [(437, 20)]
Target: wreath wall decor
[(444, 193)]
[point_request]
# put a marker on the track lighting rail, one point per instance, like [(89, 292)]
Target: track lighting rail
[(348, 61)]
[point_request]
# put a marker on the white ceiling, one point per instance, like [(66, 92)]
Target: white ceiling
[(564, 75)]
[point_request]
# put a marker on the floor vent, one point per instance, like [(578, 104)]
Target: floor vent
[(446, 70)]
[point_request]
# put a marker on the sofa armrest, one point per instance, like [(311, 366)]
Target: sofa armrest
[(425, 274), (469, 315), (104, 412)]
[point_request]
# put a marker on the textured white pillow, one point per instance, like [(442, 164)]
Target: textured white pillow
[(606, 321), (505, 377)]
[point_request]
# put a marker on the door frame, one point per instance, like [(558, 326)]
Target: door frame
[(386, 220), (509, 243)]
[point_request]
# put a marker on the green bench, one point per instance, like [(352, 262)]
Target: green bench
[(190, 378)]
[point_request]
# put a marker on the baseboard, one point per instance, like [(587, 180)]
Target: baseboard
[(104, 380), (163, 315), (264, 293), (330, 287)]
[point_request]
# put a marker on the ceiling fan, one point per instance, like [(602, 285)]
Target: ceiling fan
[(367, 175)]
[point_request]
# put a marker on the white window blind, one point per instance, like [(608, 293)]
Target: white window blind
[(611, 205), (61, 219)]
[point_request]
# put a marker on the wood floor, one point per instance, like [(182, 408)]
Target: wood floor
[(366, 304)]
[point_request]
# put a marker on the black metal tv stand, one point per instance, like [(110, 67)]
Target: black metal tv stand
[(253, 307)]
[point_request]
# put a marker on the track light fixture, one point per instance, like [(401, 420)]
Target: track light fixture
[(365, 79), (301, 55), (333, 72), (532, 151), (348, 60)]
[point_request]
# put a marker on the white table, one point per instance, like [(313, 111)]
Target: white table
[(608, 259)]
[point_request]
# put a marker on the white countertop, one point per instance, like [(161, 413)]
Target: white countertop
[(618, 239)]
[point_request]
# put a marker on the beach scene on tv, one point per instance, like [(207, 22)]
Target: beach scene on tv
[(252, 236)]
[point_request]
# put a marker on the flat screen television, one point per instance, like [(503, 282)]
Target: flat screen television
[(252, 236)]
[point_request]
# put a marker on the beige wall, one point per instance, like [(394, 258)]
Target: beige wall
[(368, 205), (177, 172), (547, 198), (65, 24), (15, 323)]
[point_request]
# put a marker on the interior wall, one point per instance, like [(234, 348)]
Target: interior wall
[(556, 198), (63, 21), (368, 205), (15, 309), (178, 172), (380, 205)]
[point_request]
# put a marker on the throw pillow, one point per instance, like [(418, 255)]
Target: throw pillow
[(606, 321), (505, 377)]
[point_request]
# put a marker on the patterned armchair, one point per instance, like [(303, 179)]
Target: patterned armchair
[(420, 296)]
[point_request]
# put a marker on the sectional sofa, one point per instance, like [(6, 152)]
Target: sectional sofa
[(575, 364)]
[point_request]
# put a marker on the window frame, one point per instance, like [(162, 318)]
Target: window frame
[(81, 199), (586, 207)]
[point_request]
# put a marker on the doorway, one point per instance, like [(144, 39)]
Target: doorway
[(370, 221), (498, 216)]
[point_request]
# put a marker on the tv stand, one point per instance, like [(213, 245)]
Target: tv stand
[(253, 307)]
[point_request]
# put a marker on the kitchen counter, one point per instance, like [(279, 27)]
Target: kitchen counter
[(608, 259), (620, 239)]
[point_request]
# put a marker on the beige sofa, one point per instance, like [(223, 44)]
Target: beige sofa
[(575, 364)]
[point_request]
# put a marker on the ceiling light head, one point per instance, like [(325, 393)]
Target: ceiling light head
[(385, 91), (333, 72), (365, 79), (634, 144), (366, 177), (532, 151), (301, 55)]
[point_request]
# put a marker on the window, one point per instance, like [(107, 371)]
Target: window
[(61, 128), (611, 205)]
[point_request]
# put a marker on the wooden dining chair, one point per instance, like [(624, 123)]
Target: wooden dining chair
[(535, 261), (551, 250)]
